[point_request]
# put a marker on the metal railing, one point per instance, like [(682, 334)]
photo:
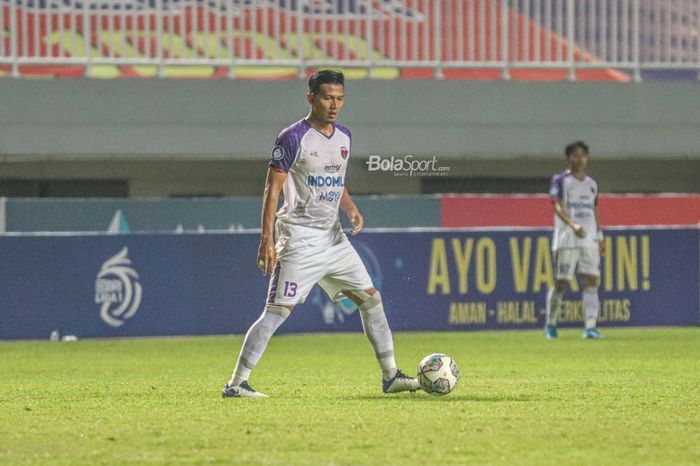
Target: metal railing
[(433, 36)]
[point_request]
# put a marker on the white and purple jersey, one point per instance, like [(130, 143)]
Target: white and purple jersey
[(316, 166), (579, 198)]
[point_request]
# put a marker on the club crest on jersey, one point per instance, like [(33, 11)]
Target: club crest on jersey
[(344, 152), (277, 153)]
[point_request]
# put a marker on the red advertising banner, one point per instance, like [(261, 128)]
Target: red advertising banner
[(495, 210)]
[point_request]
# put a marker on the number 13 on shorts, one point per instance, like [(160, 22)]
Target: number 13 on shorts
[(290, 289)]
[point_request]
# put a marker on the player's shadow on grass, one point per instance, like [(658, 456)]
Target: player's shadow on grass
[(424, 397)]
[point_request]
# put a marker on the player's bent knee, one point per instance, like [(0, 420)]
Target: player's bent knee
[(590, 281), (370, 300), (282, 311), (560, 285), (593, 283)]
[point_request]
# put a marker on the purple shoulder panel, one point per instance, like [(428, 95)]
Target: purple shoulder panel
[(556, 191), (287, 144), (597, 189)]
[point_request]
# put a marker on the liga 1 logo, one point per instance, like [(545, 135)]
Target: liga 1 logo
[(117, 289)]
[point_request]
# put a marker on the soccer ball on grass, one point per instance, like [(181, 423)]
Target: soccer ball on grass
[(438, 374)]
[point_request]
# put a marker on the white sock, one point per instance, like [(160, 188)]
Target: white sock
[(553, 305), (256, 341), (379, 334), (591, 305)]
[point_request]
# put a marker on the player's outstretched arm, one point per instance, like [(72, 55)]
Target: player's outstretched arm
[(353, 213), (267, 256)]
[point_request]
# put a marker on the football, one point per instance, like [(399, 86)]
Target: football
[(438, 374)]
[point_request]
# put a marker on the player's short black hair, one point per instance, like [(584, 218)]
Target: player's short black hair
[(325, 77), (570, 148)]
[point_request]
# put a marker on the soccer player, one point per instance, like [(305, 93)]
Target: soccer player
[(577, 242), (308, 165)]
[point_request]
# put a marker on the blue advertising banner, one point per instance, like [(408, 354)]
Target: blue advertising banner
[(189, 284), (498, 279)]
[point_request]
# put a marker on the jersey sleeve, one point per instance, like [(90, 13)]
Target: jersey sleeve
[(556, 190), (597, 190), (285, 151)]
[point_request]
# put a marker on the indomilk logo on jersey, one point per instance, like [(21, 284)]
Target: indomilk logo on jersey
[(117, 289), (325, 181)]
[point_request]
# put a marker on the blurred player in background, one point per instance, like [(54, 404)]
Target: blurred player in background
[(308, 164), (577, 242)]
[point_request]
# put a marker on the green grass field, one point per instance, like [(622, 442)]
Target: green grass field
[(633, 398)]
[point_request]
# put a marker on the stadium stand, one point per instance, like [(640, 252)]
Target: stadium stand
[(387, 39)]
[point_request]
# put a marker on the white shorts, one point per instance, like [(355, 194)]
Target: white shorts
[(305, 259), (583, 261)]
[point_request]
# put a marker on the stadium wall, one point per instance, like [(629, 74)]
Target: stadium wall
[(197, 138), (422, 117), (461, 279)]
